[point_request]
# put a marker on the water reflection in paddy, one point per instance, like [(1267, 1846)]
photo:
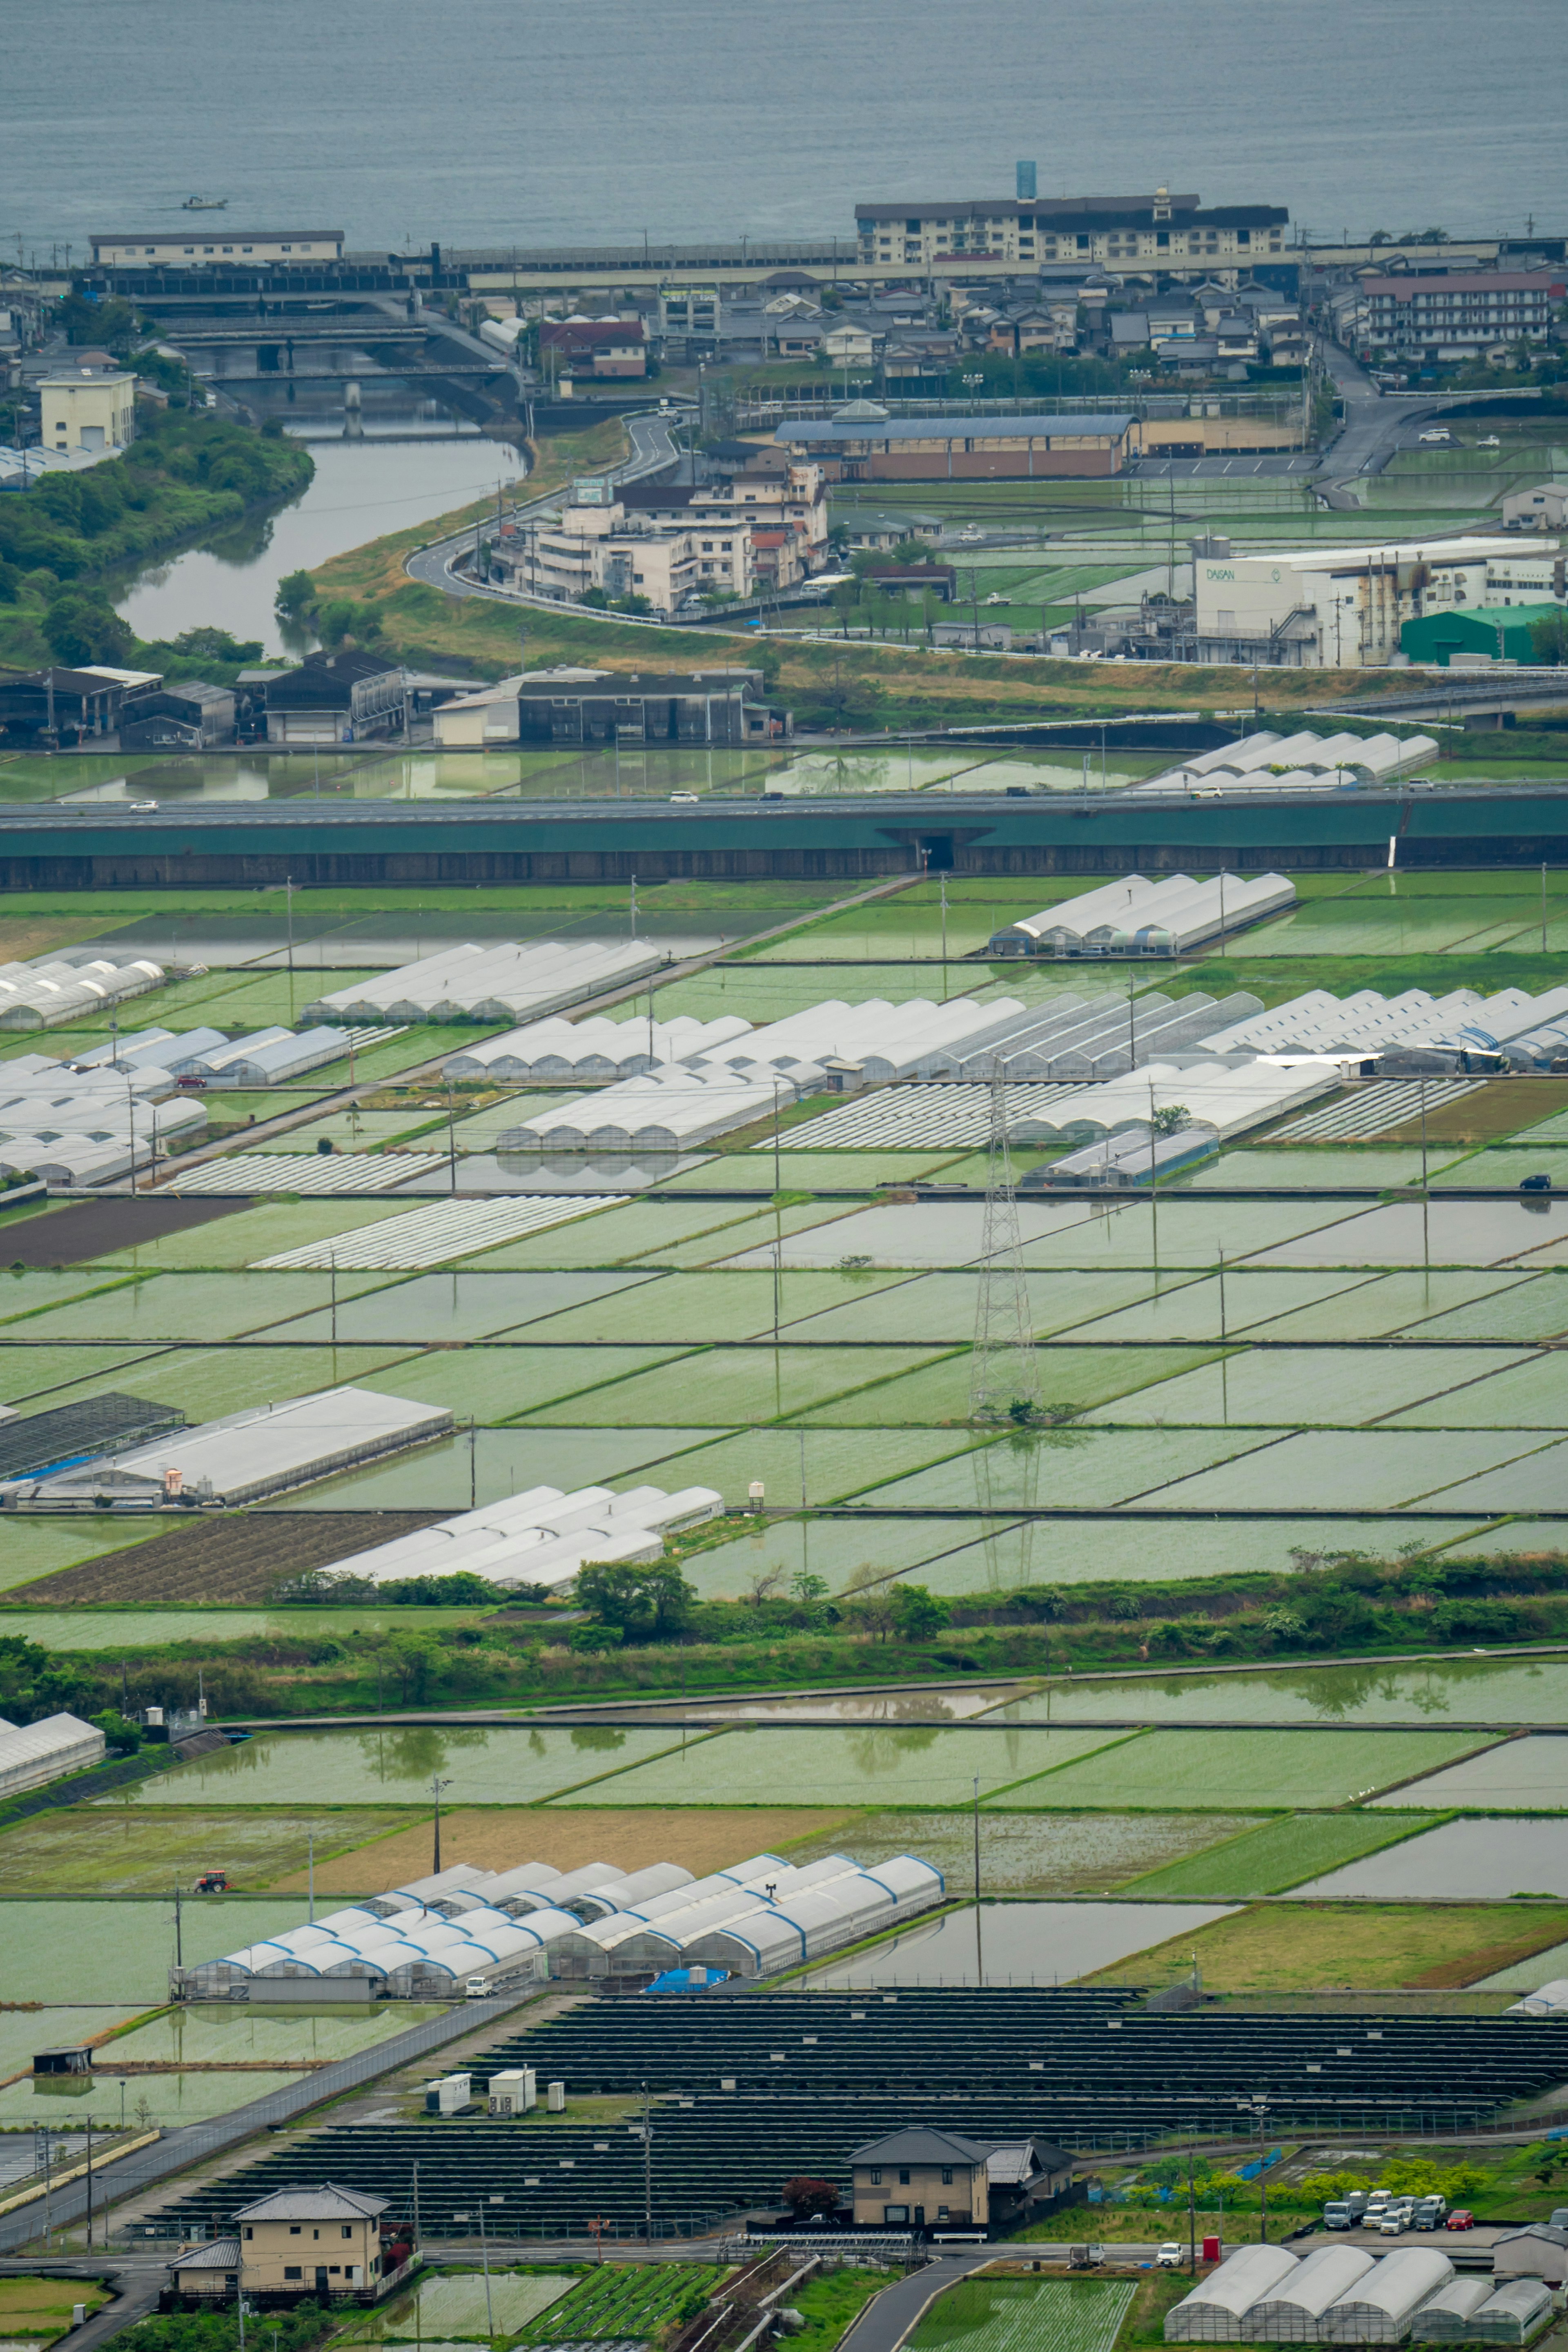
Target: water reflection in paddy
[(1463, 1690)]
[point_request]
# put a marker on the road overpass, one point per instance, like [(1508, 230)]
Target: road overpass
[(398, 843)]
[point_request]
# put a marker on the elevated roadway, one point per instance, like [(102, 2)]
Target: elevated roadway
[(391, 844)]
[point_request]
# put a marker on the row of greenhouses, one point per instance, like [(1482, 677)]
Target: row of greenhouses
[(462, 1926), (507, 980), (1344, 2295)]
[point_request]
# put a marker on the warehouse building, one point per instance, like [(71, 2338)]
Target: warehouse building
[(864, 444), (189, 716), (1492, 633), (1342, 607), (265, 1450), (704, 705)]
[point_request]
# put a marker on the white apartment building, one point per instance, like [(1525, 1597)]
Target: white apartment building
[(88, 408), (1343, 607), (198, 247), (667, 558), (1124, 234)]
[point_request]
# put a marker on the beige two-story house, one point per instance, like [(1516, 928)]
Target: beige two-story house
[(318, 2243)]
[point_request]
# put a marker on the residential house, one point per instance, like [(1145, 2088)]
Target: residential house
[(593, 347), (325, 2244), (88, 406), (850, 344), (1546, 507), (919, 2179)]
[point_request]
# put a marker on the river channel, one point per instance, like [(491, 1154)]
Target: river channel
[(362, 490)]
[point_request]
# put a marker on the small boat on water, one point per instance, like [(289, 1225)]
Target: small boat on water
[(205, 205)]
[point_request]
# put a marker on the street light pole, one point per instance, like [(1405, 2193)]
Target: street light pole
[(437, 1785)]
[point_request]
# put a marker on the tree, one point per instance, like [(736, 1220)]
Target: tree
[(1549, 638), (118, 1731), (1171, 1118), (917, 1613), (646, 1604), (296, 597), (806, 1588), (81, 626), (807, 2197)]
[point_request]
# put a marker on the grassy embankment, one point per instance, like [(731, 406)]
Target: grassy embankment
[(892, 1632), (852, 685)]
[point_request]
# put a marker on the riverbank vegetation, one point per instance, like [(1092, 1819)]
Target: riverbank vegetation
[(646, 1630), (186, 475)]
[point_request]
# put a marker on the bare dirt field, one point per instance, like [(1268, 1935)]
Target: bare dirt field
[(499, 1839), (218, 1561), (89, 1229)]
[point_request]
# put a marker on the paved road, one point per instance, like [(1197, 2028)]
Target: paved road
[(652, 450), (1376, 423), (888, 2319)]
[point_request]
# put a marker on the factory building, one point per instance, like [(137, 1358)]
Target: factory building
[(1345, 607), (863, 444)]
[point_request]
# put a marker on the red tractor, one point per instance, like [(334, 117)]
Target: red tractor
[(213, 1882)]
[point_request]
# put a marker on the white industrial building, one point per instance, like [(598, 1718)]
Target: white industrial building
[(1342, 607), (1336, 2294), (44, 994), (432, 1937), (1134, 916), (503, 982), (33, 1753), (543, 1537), (265, 1450), (1266, 763)]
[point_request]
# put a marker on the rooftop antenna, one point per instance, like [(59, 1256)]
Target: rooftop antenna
[(1005, 1373)]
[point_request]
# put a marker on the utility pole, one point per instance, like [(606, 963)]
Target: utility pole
[(90, 2184), (1004, 1369), (179, 1930), (451, 1143), (647, 2170), (310, 1849), (437, 1785), (979, 1952), (1191, 2220)]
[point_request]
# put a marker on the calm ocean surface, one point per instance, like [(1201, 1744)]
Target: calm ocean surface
[(491, 121)]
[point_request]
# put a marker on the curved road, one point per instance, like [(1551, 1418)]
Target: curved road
[(1375, 423), (653, 450)]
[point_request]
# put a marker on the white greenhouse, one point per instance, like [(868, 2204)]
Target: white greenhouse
[(34, 1753), (1216, 2310)]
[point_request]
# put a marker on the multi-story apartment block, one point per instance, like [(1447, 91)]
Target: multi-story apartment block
[(1456, 317), (1142, 234)]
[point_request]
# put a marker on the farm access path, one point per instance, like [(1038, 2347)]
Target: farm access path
[(325, 1105)]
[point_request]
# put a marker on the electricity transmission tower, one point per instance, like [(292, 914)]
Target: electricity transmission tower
[(1003, 1370)]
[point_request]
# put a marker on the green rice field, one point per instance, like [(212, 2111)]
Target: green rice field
[(1006, 2314)]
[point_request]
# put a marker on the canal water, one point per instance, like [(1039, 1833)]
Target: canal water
[(362, 490)]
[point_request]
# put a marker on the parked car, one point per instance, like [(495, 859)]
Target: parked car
[(1391, 2223), (1461, 2218), (684, 800), (1170, 2256)]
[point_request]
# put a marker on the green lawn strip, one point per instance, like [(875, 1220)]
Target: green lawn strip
[(1271, 1858), (829, 2303), (620, 2300)]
